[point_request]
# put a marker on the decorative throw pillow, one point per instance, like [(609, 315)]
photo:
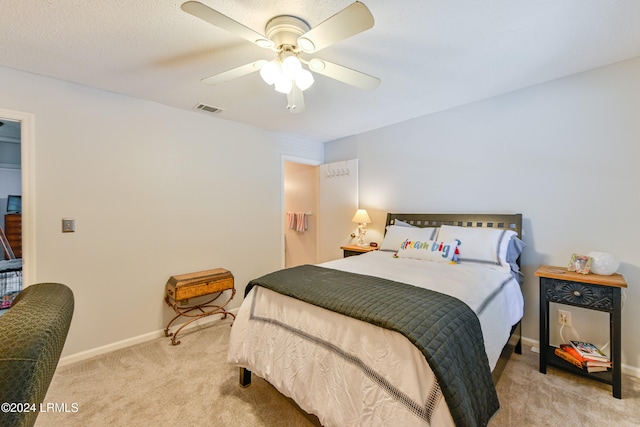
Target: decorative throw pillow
[(484, 245), (397, 234), (430, 250)]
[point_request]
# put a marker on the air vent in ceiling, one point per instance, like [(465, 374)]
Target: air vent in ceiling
[(208, 108)]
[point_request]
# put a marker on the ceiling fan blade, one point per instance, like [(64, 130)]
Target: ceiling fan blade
[(234, 73), (344, 74), (219, 20), (350, 21)]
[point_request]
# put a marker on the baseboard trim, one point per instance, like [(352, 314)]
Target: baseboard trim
[(534, 344), (87, 354)]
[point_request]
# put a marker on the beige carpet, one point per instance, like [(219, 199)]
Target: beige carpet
[(158, 384)]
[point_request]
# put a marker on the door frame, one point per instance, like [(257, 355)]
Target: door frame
[(27, 155), (287, 158)]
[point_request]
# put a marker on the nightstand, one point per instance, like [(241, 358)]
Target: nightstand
[(351, 250), (591, 291)]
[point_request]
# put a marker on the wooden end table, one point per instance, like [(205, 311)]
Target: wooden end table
[(352, 250), (591, 291)]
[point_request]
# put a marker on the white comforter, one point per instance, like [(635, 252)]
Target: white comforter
[(349, 372)]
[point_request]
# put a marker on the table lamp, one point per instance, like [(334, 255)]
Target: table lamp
[(362, 218)]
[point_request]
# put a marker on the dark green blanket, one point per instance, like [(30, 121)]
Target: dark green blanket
[(444, 328)]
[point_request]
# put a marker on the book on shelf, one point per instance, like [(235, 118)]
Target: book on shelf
[(589, 351), (592, 369), (569, 358), (578, 361), (589, 362)]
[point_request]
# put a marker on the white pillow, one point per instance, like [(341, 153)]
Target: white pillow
[(484, 245), (402, 223), (397, 234), (430, 250)]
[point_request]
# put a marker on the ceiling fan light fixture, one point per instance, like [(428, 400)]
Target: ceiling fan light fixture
[(306, 45), (283, 85), (291, 67), (271, 71), (304, 80), (289, 36)]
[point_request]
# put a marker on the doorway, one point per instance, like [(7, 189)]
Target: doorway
[(25, 169), (10, 188), (328, 193), (300, 191)]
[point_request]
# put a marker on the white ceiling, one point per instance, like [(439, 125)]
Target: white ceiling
[(431, 55)]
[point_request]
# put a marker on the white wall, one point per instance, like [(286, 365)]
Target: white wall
[(338, 203), (564, 154), (155, 191)]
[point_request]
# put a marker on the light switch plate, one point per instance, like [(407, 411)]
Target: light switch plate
[(68, 225)]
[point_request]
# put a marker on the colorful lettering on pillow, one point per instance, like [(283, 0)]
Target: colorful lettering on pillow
[(482, 245), (430, 250)]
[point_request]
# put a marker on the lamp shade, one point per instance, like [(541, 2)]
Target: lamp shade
[(291, 67), (304, 80), (361, 216), (283, 85), (271, 71)]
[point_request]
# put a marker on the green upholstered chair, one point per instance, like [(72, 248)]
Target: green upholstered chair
[(32, 334)]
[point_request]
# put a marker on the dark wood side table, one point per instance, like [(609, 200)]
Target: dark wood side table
[(352, 250), (591, 291)]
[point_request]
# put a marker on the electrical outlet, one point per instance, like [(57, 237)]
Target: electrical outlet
[(564, 317)]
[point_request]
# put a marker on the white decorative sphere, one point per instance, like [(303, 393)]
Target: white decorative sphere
[(603, 263)]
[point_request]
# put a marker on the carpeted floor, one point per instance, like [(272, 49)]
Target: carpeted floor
[(191, 384)]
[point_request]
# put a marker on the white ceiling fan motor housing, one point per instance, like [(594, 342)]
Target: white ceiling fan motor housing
[(284, 30)]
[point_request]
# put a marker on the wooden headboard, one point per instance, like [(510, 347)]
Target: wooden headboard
[(500, 221)]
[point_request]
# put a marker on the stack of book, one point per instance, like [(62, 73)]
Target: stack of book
[(584, 355)]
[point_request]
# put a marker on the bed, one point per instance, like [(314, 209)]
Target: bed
[(416, 333)]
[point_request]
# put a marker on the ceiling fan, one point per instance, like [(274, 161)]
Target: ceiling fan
[(291, 38)]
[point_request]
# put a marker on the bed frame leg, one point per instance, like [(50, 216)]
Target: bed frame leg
[(518, 332), (245, 377)]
